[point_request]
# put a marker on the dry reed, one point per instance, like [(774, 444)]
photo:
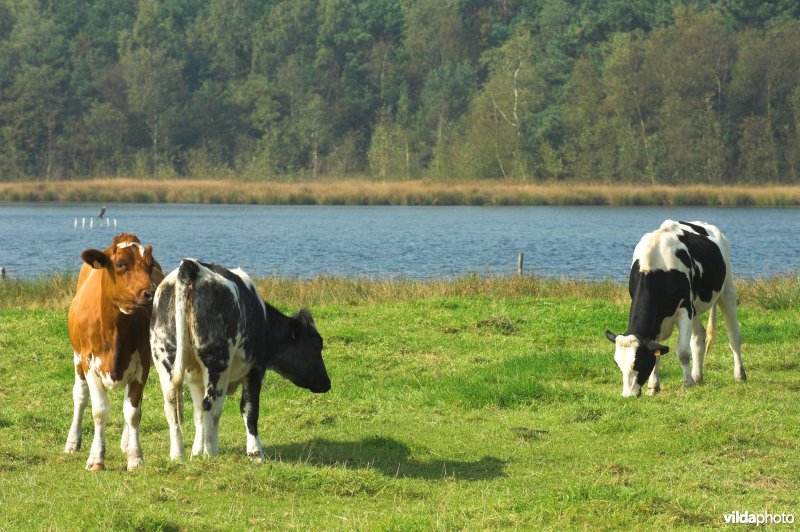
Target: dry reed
[(418, 192)]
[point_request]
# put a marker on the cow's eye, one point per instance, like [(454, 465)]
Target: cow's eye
[(120, 266)]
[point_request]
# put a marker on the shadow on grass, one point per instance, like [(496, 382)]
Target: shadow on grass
[(390, 457), (11, 462)]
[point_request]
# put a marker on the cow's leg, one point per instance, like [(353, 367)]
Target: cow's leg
[(173, 409), (212, 403), (97, 456), (698, 349), (196, 389), (132, 410), (654, 382), (727, 303), (683, 349), (251, 390), (123, 442), (80, 398)]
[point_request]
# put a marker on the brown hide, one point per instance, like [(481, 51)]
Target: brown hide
[(97, 327)]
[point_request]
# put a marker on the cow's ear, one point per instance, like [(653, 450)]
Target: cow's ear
[(156, 275), (295, 328), (657, 349), (611, 336), (148, 250), (95, 258)]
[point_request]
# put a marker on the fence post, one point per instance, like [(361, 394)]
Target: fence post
[(519, 264)]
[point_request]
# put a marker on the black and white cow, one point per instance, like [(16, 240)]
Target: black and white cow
[(211, 326), (679, 271)]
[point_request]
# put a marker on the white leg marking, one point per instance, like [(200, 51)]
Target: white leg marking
[(80, 398), (123, 444), (211, 426), (174, 417), (728, 306), (196, 389), (654, 382), (683, 349), (133, 415), (97, 456), (698, 349), (211, 419), (254, 449)]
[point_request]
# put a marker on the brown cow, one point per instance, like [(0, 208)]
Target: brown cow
[(109, 322)]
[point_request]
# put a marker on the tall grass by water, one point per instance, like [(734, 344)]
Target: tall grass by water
[(368, 192), (478, 402), (56, 291)]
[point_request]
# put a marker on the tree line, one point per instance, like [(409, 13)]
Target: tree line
[(576, 90)]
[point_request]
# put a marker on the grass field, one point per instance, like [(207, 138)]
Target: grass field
[(475, 403), (416, 192)]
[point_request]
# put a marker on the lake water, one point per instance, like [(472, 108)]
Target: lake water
[(381, 242)]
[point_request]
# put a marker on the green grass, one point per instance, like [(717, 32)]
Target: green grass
[(462, 404)]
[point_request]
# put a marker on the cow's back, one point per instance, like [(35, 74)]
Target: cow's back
[(681, 264), (222, 309), (666, 248)]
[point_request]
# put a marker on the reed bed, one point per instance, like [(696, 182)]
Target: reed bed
[(55, 292), (417, 192)]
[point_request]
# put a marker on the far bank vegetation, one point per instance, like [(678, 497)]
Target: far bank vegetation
[(650, 93)]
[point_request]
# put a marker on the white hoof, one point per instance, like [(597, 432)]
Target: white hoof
[(95, 466), (257, 457)]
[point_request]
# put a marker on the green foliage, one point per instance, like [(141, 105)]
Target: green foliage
[(612, 91)]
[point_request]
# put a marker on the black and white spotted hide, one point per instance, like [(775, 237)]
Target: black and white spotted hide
[(212, 328), (679, 271)]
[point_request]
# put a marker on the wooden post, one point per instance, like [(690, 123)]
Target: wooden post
[(519, 264), (2, 272)]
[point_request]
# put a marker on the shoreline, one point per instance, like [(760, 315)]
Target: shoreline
[(395, 193)]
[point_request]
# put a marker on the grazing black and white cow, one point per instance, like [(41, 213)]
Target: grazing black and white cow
[(679, 271), (211, 326)]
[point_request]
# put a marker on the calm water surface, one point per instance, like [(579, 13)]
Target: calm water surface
[(417, 242)]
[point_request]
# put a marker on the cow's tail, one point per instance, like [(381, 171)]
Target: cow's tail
[(711, 328), (187, 273)]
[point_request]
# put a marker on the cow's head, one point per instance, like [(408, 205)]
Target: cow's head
[(300, 358), (636, 359), (127, 267)]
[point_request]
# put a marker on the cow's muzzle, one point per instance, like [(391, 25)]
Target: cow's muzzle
[(322, 388)]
